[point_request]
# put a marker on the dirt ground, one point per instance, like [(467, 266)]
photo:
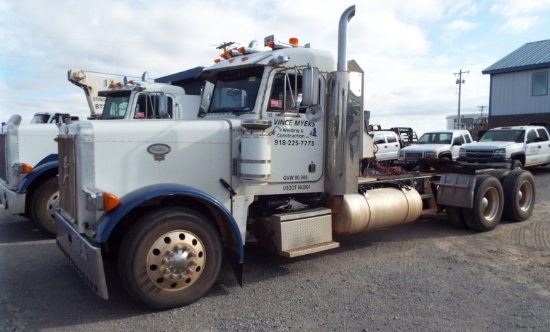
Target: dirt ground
[(422, 276)]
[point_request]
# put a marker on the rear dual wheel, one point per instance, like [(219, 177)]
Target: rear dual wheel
[(488, 204), (519, 189), (170, 258)]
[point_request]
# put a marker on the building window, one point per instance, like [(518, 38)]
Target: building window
[(540, 83)]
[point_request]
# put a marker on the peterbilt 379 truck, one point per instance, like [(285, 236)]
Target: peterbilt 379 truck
[(274, 158), (28, 153)]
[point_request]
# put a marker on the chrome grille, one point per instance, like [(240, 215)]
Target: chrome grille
[(413, 155), (67, 175), (479, 154), (3, 158)]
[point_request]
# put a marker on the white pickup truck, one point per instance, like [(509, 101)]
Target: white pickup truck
[(508, 147), (443, 144)]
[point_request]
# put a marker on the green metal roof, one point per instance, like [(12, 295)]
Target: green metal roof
[(530, 56)]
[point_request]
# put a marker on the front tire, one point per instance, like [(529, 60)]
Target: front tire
[(488, 204), (516, 164), (44, 202), (170, 258)]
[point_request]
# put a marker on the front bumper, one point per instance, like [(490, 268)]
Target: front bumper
[(84, 255), (485, 164), (11, 200)]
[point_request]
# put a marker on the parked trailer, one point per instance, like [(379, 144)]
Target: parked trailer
[(265, 161)]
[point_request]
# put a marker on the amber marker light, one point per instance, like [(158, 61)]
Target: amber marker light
[(110, 201), (271, 44), (293, 41), (25, 168), (216, 60)]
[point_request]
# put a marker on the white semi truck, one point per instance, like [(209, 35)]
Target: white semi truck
[(274, 159), (28, 153)]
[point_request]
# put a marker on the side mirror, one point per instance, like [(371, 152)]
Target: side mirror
[(310, 87), (457, 143)]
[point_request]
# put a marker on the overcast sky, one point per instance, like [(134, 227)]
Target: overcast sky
[(409, 50)]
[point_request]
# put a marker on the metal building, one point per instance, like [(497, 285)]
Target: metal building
[(519, 87)]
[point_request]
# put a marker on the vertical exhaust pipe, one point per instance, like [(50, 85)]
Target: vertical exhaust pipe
[(343, 123), (343, 38)]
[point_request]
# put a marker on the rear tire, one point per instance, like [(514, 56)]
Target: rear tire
[(170, 258), (519, 191), (44, 202), (455, 215), (488, 204)]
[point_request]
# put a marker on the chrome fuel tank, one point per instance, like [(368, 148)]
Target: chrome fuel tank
[(377, 208)]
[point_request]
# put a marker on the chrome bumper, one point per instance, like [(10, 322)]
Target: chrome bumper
[(84, 255)]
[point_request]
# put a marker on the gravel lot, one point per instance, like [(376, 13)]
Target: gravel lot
[(425, 276)]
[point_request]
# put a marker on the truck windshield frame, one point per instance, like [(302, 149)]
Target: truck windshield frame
[(116, 105), (236, 90)]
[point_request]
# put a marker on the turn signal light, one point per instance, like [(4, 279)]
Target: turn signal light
[(110, 201), (25, 168)]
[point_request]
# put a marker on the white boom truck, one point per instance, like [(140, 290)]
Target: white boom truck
[(28, 153), (266, 162)]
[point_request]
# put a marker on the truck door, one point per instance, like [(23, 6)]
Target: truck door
[(392, 150), (532, 148), (458, 140), (382, 147), (297, 144), (544, 141)]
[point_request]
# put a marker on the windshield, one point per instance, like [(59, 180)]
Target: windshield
[(435, 138), (116, 105), (40, 118), (236, 90), (503, 136)]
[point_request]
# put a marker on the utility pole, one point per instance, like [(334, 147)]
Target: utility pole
[(481, 108), (460, 81)]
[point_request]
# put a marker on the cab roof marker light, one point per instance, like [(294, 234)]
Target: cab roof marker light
[(293, 41)]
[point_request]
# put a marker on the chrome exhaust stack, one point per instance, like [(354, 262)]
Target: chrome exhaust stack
[(343, 122)]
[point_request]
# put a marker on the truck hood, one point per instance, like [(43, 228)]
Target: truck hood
[(491, 145), (427, 147)]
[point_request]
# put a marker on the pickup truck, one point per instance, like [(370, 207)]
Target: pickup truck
[(508, 147), (386, 145), (443, 144)]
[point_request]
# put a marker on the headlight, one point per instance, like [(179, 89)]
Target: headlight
[(462, 152), (499, 153), (430, 154)]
